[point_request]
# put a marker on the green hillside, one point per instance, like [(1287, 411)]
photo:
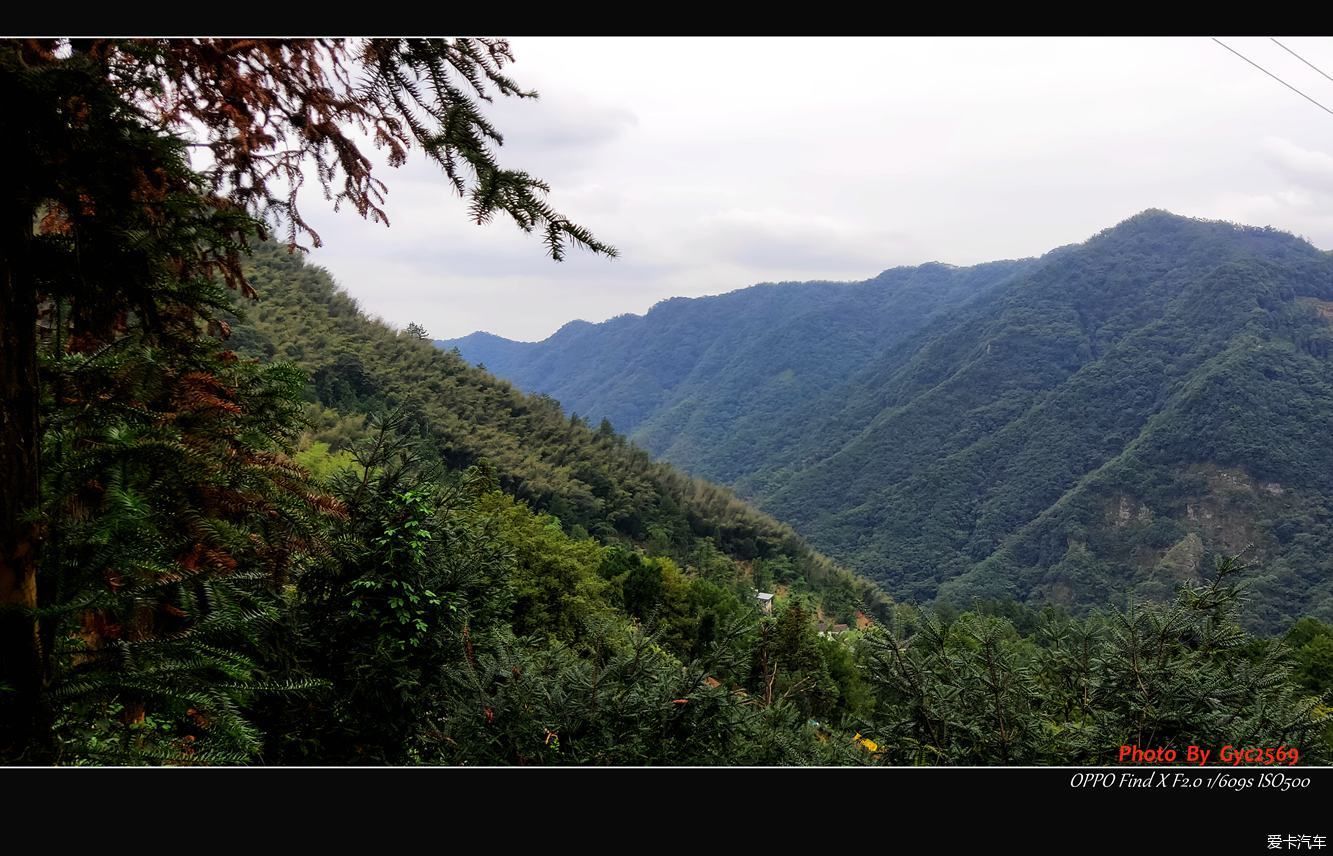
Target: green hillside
[(1099, 422), (588, 477)]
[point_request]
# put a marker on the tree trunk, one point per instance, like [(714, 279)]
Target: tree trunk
[(20, 647)]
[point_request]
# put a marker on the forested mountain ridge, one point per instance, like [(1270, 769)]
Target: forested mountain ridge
[(1071, 429), (704, 382), (590, 479)]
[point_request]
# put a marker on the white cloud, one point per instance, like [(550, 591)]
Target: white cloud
[(713, 164), (818, 245), (1310, 170)]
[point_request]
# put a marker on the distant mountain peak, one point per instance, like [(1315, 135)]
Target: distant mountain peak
[(961, 432)]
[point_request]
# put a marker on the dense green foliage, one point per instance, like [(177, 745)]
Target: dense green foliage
[(973, 690), (452, 624), (1097, 423), (172, 514)]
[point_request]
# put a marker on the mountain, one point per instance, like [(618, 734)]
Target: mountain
[(1093, 424), (334, 543), (592, 480), (705, 382)]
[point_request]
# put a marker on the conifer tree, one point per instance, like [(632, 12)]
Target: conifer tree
[(104, 217), (174, 521)]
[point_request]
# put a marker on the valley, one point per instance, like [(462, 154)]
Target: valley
[(1095, 424)]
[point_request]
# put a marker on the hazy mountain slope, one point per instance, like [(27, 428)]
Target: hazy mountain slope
[(1075, 428), (709, 383)]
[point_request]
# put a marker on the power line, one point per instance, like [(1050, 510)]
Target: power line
[(1274, 76), (1299, 57)]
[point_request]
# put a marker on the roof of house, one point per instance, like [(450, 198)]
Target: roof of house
[(763, 595)]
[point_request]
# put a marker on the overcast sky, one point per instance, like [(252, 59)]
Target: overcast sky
[(713, 164)]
